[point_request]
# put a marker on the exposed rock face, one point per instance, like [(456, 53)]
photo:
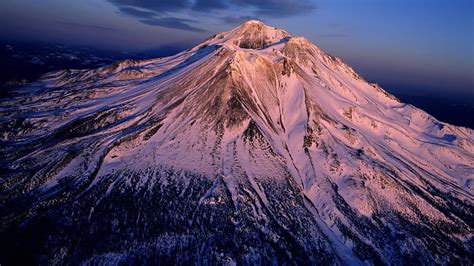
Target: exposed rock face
[(256, 35), (253, 147)]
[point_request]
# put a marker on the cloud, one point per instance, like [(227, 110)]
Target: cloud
[(172, 23), (152, 12), (139, 13), (85, 26), (159, 6)]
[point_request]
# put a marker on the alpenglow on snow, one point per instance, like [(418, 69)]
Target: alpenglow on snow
[(254, 147)]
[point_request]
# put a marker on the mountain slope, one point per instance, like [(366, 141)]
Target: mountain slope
[(253, 147)]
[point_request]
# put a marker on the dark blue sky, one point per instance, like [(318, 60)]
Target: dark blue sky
[(422, 44)]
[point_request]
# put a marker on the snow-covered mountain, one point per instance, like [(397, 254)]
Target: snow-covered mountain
[(253, 147)]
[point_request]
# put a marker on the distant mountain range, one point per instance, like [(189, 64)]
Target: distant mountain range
[(23, 62), (253, 147)]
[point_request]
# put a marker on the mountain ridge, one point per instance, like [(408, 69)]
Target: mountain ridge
[(254, 146)]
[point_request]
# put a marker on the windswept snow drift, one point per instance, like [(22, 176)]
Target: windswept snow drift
[(253, 147)]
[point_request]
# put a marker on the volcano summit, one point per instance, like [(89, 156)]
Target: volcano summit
[(255, 146)]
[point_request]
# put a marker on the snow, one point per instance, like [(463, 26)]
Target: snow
[(313, 123)]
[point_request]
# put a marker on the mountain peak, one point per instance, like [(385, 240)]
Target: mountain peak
[(252, 34), (253, 22)]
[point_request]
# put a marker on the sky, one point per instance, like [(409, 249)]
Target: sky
[(418, 46)]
